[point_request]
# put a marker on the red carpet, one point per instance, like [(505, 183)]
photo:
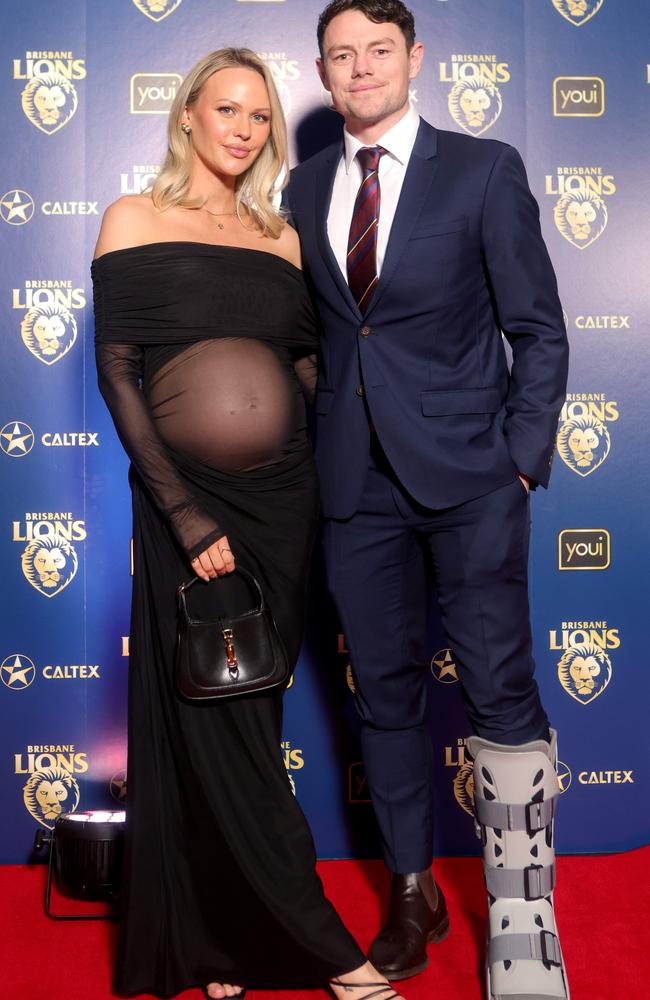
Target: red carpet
[(603, 907)]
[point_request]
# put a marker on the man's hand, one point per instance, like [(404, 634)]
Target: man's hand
[(525, 482), (216, 560)]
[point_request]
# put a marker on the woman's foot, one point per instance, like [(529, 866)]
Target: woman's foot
[(218, 990), (362, 984)]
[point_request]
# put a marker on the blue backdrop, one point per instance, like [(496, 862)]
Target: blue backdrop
[(84, 100)]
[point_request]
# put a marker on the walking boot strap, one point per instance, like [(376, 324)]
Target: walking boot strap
[(529, 816)]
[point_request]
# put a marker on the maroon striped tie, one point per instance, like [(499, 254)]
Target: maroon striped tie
[(362, 242)]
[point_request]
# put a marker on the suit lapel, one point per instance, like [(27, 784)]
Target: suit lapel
[(417, 182), (324, 185)]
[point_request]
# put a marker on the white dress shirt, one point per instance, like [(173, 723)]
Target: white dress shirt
[(398, 143)]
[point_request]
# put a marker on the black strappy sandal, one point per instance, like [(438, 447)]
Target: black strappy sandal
[(386, 992)]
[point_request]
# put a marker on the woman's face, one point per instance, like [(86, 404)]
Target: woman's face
[(230, 120)]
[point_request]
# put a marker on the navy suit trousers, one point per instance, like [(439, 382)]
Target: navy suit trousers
[(376, 566)]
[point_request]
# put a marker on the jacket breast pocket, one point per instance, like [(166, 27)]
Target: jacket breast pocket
[(430, 229)]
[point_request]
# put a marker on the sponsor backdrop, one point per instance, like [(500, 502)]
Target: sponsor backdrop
[(85, 93)]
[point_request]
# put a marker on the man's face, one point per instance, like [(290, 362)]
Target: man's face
[(367, 69)]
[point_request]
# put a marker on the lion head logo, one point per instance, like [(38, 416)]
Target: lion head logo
[(49, 102), (464, 788), (474, 104), (157, 10), (49, 564), (48, 332), (580, 217), (577, 11), (49, 793), (584, 672), (583, 444)]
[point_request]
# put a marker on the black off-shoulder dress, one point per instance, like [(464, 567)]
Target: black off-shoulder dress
[(197, 351)]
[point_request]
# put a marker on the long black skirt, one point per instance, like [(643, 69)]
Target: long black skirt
[(220, 881)]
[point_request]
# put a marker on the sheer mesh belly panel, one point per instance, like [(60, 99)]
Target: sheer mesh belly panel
[(232, 403)]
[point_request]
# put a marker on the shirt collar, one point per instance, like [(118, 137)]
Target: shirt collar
[(398, 141)]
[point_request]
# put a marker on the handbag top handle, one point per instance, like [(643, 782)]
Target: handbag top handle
[(184, 587)]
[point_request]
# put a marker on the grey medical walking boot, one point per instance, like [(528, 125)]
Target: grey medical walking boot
[(515, 795)]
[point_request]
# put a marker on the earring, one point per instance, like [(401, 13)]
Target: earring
[(185, 128)]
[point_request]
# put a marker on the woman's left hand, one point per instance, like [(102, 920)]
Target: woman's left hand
[(216, 560)]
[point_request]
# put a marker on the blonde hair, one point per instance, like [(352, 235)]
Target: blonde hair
[(255, 188)]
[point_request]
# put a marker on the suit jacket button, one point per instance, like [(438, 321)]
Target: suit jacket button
[(365, 331), (360, 391)]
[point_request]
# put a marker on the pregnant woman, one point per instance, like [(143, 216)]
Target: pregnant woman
[(204, 335)]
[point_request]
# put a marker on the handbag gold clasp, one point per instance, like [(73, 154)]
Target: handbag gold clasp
[(231, 659)]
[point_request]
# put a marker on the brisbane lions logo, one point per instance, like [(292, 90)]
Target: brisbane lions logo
[(584, 672), (580, 217), (49, 102), (583, 443), (464, 788), (49, 793), (157, 10), (49, 564), (48, 332), (578, 11), (474, 104)]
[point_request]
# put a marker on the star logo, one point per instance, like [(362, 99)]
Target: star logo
[(17, 672), (117, 786), (564, 776), (16, 207), (16, 439), (443, 667)]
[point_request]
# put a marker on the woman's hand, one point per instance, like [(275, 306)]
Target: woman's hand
[(216, 560)]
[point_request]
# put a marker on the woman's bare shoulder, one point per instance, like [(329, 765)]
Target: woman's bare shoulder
[(288, 245), (128, 222)]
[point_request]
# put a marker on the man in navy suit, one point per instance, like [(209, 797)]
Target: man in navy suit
[(422, 247)]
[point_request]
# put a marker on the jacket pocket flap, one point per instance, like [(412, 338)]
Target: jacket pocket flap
[(443, 402)]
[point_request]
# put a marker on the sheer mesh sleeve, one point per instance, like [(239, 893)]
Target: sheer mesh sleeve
[(119, 369), (306, 369)]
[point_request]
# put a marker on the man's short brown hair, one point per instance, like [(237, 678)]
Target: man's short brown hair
[(379, 11)]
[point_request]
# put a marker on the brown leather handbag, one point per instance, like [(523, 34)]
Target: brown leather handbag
[(224, 656)]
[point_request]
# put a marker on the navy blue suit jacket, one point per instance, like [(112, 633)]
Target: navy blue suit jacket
[(465, 261)]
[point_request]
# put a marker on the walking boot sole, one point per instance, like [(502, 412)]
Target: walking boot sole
[(436, 935)]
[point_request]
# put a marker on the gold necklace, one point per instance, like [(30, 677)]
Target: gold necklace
[(218, 215)]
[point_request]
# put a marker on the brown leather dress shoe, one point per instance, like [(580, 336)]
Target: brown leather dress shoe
[(417, 914)]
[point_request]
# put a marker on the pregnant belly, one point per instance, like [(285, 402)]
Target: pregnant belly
[(228, 403)]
